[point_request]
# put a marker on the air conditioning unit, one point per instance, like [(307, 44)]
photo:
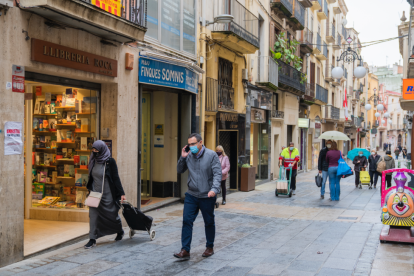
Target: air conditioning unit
[(245, 74)]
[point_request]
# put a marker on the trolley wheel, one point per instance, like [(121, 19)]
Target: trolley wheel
[(131, 233), (217, 204), (290, 193), (276, 194), (152, 235)]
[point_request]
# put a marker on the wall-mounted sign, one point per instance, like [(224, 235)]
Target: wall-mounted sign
[(228, 120), (166, 74), (158, 129), (18, 79), (158, 141), (408, 89), (58, 55), (111, 6), (13, 138), (257, 116), (303, 123)]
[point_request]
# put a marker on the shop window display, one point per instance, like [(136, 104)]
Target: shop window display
[(64, 127)]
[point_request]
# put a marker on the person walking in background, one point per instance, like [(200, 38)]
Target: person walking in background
[(389, 164), (225, 168), (103, 171), (360, 161), (323, 166), (400, 148), (372, 161), (404, 152), (332, 157), (397, 153), (290, 157), (204, 179)]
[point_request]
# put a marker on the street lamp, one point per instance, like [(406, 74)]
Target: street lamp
[(349, 56), (376, 99)]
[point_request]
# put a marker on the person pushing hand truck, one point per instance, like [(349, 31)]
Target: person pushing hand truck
[(290, 158)]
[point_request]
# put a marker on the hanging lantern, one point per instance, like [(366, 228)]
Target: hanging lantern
[(377, 114), (386, 114), (367, 107), (380, 107), (360, 72), (383, 121), (337, 72)]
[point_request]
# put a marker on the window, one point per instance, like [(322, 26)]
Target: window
[(178, 24), (275, 102)]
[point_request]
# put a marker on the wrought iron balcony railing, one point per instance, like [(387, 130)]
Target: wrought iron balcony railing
[(335, 113), (357, 95), (321, 93), (319, 42), (325, 49), (268, 72), (307, 38), (278, 114), (333, 30), (299, 13), (310, 90), (245, 24), (344, 32), (325, 8), (287, 4), (225, 97), (211, 94), (132, 10), (291, 77)]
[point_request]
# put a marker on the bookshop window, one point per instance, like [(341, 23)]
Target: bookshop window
[(64, 126)]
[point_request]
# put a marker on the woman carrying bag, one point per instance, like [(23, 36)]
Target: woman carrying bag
[(105, 192), (225, 168)]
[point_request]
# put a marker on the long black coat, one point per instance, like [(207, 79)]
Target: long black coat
[(322, 163), (363, 162), (111, 172), (373, 162)]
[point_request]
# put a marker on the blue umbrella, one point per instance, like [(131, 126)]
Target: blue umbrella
[(355, 152)]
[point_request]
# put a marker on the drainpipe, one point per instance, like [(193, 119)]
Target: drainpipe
[(203, 37)]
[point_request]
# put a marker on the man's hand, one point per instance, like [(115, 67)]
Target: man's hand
[(211, 194), (320, 171), (184, 154), (359, 162), (123, 198)]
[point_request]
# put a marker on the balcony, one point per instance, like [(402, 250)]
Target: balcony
[(240, 35), (286, 6), (318, 47), (337, 10), (321, 94), (331, 1), (291, 79), (211, 95), (317, 4), (330, 29), (278, 115), (323, 55), (306, 41), (338, 43), (330, 113), (328, 72), (225, 97), (350, 122), (299, 15), (128, 24), (309, 97), (268, 77), (355, 96), (323, 12)]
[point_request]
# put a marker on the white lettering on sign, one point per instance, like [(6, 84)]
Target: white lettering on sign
[(164, 74)]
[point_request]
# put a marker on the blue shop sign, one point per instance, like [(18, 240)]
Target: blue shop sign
[(165, 74)]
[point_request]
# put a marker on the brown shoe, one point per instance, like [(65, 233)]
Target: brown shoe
[(182, 255), (208, 252)]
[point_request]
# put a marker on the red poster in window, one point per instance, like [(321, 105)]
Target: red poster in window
[(38, 91), (18, 79)]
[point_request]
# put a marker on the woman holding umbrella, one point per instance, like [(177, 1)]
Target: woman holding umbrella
[(360, 161)]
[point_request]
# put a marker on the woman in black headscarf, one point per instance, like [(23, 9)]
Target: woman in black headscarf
[(104, 220)]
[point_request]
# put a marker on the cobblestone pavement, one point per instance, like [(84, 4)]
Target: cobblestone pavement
[(257, 234)]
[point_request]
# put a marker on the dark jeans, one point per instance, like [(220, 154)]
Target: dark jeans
[(192, 205), (356, 178), (388, 179), (293, 181), (223, 189), (374, 177)]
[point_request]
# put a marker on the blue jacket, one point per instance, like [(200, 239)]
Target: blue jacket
[(204, 173)]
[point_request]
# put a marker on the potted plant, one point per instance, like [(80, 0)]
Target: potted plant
[(248, 177)]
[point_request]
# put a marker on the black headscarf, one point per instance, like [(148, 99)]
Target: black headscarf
[(104, 154)]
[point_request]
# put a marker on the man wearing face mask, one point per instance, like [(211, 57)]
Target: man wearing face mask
[(204, 179), (323, 166), (360, 161), (372, 161), (290, 157)]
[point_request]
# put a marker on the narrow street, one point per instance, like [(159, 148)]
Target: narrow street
[(257, 234)]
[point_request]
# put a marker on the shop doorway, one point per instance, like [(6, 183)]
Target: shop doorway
[(310, 165), (289, 135), (228, 140), (259, 152), (302, 150)]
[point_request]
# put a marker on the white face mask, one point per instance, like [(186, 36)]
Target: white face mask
[(328, 146), (373, 153)]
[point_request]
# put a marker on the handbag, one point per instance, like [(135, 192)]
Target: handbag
[(343, 168), (94, 198), (348, 175), (381, 166), (318, 180)]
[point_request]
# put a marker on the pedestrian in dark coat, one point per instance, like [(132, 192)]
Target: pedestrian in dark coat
[(372, 161), (323, 166), (397, 152), (360, 161)]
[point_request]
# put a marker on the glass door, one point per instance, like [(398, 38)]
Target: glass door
[(146, 146), (263, 151)]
